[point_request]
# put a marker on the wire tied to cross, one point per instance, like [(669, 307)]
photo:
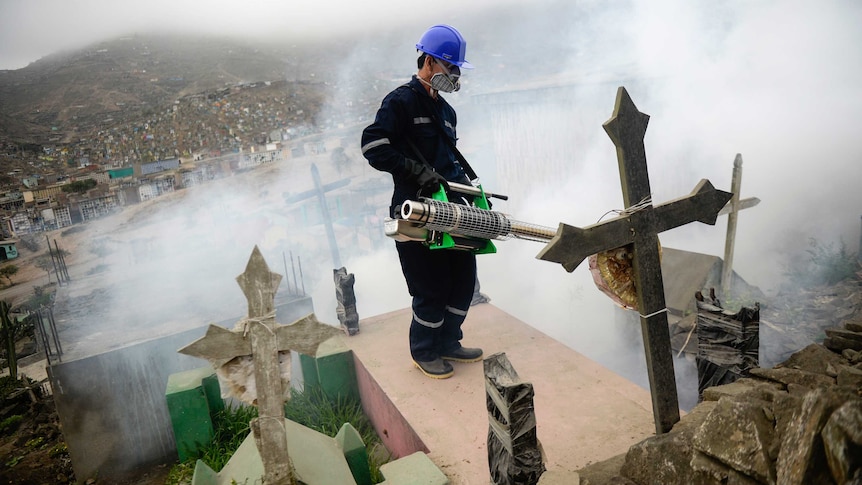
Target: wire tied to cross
[(641, 205), (663, 310), (245, 323)]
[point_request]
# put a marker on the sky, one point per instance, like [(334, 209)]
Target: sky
[(775, 81), (31, 29)]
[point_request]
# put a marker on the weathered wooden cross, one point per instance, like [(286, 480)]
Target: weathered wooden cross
[(263, 340), (732, 209), (639, 226)]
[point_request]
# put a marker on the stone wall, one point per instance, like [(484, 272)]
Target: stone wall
[(797, 423)]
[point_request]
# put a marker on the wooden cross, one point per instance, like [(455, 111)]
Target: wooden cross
[(263, 340), (732, 208), (639, 226)]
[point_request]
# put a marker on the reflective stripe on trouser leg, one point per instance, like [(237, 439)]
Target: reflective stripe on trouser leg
[(426, 322), (423, 342), (437, 280), (451, 333)]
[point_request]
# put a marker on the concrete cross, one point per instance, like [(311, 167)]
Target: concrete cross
[(639, 227), (732, 208), (263, 340)]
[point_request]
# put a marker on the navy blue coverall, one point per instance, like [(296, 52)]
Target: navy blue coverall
[(441, 281)]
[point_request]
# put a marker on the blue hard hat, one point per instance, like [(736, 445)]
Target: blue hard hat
[(445, 42)]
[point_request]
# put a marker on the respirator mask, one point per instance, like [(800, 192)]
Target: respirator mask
[(448, 80)]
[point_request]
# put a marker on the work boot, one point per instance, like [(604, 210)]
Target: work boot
[(463, 354), (435, 369)]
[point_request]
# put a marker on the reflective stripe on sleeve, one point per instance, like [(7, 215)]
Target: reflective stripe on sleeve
[(375, 143)]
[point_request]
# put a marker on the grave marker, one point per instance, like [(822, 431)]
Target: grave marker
[(639, 226), (263, 339), (732, 209)]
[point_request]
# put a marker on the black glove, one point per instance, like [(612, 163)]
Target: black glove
[(427, 179)]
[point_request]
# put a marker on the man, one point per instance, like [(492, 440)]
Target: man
[(413, 138)]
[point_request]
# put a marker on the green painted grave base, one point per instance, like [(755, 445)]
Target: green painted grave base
[(191, 398)]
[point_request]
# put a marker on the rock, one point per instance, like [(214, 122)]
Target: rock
[(599, 473), (741, 386), (784, 408), (739, 435), (851, 355), (794, 376), (853, 325), (849, 376), (842, 440), (661, 459), (813, 358), (801, 458), (719, 472), (839, 339), (665, 458)]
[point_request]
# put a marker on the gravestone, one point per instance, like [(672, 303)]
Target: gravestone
[(638, 228), (263, 339)]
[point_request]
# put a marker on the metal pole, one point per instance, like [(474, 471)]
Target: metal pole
[(286, 279), (859, 252), (293, 269), (55, 333), (53, 263), (301, 280), (62, 261), (727, 270)]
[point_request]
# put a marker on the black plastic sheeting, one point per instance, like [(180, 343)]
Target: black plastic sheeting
[(514, 453), (727, 343)]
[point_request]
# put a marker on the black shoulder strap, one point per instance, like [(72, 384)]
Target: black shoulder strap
[(471, 174)]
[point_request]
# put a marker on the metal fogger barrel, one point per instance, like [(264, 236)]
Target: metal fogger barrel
[(471, 221)]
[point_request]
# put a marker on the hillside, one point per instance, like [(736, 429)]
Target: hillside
[(67, 95)]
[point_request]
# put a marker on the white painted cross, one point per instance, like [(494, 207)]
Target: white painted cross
[(732, 209), (263, 340)]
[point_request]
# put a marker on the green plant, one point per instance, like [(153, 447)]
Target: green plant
[(313, 409), (42, 296), (8, 336), (58, 450), (79, 186), (35, 442), (11, 423), (833, 265), (316, 410), (230, 428), (825, 265), (8, 271), (181, 473)]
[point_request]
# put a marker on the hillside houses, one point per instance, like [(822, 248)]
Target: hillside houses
[(93, 192)]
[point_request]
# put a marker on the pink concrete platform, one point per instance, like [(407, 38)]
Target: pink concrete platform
[(585, 412)]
